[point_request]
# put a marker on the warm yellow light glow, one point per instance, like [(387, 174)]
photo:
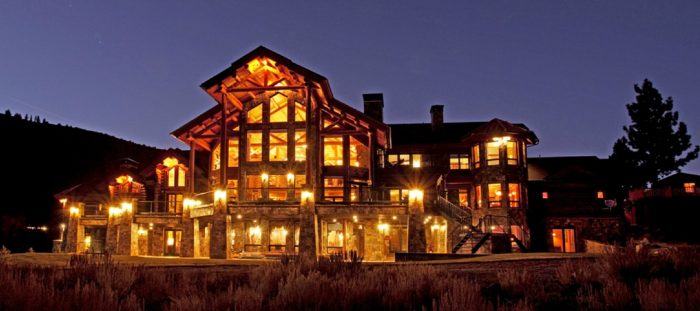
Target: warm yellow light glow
[(127, 207), (499, 193), (142, 232), (115, 211), (150, 226), (239, 216), (63, 226), (393, 217), (88, 242), (254, 233), (264, 177), (290, 178), (63, 202), (415, 195), (416, 163), (220, 196), (493, 228), (383, 228), (74, 211), (191, 203), (335, 220), (306, 196), (501, 140), (170, 162), (124, 179), (171, 241)]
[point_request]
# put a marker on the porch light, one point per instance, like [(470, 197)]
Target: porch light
[(88, 242), (415, 195), (63, 227), (306, 197), (239, 216), (142, 232), (220, 196), (63, 202), (493, 228), (115, 211), (290, 178), (501, 140), (74, 211), (264, 177), (127, 207), (170, 162), (383, 228), (393, 217)]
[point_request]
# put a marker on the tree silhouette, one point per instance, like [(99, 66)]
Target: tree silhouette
[(654, 143)]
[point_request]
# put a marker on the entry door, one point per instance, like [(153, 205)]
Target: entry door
[(172, 242), (564, 240)]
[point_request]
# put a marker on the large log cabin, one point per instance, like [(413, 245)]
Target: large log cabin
[(279, 165)]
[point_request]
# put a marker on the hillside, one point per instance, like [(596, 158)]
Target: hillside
[(41, 159)]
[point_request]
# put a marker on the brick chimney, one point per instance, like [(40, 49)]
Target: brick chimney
[(374, 106), (436, 117)]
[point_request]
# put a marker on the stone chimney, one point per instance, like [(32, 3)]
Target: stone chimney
[(436, 117), (374, 106)]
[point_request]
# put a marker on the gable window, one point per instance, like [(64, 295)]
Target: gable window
[(689, 187), (495, 195), (300, 145), (299, 112), (359, 153), (278, 108), (255, 114), (459, 162), (333, 151), (492, 153), (278, 146), (254, 146), (476, 155), (233, 152)]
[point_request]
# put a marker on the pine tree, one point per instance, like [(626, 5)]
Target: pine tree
[(654, 143)]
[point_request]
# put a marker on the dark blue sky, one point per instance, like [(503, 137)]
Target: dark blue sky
[(564, 68)]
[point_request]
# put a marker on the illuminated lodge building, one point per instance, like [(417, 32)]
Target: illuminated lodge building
[(301, 172)]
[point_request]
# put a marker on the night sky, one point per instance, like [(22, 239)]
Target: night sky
[(564, 69)]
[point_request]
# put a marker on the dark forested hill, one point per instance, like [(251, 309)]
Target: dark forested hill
[(40, 159)]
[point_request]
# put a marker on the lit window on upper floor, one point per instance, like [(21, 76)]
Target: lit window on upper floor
[(278, 146), (476, 155), (416, 161), (514, 195), (495, 195), (333, 151), (333, 189), (278, 108), (600, 195), (463, 195), (399, 159), (255, 114), (254, 146), (493, 153), (511, 153), (459, 162), (299, 112), (300, 145), (545, 195), (689, 187), (359, 153)]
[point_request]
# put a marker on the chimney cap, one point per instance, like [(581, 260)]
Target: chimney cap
[(373, 97), (434, 108)]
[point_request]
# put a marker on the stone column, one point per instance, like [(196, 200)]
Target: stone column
[(188, 233), (74, 232), (218, 238), (308, 231), (416, 228)]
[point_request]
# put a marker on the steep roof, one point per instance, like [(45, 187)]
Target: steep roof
[(678, 179), (422, 133), (498, 127), (569, 169)]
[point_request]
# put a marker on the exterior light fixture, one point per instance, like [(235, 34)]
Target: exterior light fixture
[(415, 195), (264, 177), (239, 216), (306, 197), (74, 211), (63, 202), (501, 140), (290, 178), (127, 207), (383, 228), (115, 211), (220, 196)]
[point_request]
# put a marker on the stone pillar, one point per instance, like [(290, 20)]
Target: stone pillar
[(158, 241), (218, 237), (74, 232), (416, 228), (188, 233), (308, 230), (127, 240), (196, 246), (112, 233)]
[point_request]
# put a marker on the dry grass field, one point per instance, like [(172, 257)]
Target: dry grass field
[(627, 280)]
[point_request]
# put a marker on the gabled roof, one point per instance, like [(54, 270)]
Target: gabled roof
[(570, 169), (678, 179), (213, 86), (498, 127)]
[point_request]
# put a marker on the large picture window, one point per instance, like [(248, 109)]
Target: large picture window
[(495, 195), (278, 108), (492, 153), (333, 151), (512, 153), (278, 146), (299, 112), (254, 146), (300, 145), (255, 114), (514, 195), (278, 187), (359, 153)]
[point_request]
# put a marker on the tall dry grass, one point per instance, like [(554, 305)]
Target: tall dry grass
[(627, 280)]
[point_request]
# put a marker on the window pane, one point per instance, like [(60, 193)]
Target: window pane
[(233, 152), (278, 108), (463, 198), (689, 187), (333, 189), (278, 146), (393, 159), (476, 155), (299, 112), (253, 235), (454, 161), (278, 235), (512, 153), (300, 145), (359, 153), (492, 149), (255, 115), (394, 195), (335, 235), (333, 151), (464, 162), (416, 160), (171, 177), (277, 185), (514, 195), (180, 177), (495, 195), (405, 159), (254, 146), (216, 158), (478, 196), (253, 187)]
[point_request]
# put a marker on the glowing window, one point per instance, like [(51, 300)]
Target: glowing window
[(689, 187), (395, 195), (333, 151), (171, 176), (393, 159), (492, 153), (416, 162), (300, 145), (459, 162), (254, 187), (405, 159), (299, 182), (600, 195), (477, 193), (255, 115), (232, 186), (254, 146), (278, 146), (278, 186), (545, 195), (514, 195), (216, 158), (354, 193), (463, 198), (278, 236), (563, 240), (278, 108), (335, 235), (174, 203), (180, 177), (333, 189), (233, 152), (299, 112), (253, 234), (359, 153), (476, 155), (495, 195), (512, 153)]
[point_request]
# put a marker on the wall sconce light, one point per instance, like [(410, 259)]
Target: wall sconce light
[(415, 195), (264, 177), (74, 211), (290, 178), (307, 196), (220, 196), (501, 140), (127, 207)]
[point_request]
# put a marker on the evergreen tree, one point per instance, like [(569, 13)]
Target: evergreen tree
[(654, 143)]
